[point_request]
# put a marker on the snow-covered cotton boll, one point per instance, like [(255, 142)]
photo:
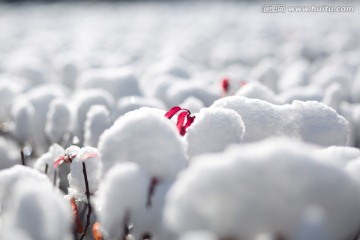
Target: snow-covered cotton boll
[(57, 120), (40, 211), (249, 184), (334, 96), (308, 121), (14, 233), (23, 116), (127, 104), (193, 104), (123, 190), (9, 153), (213, 130), (68, 70), (148, 138), (45, 163), (308, 93), (18, 173), (266, 73), (178, 92), (355, 88), (91, 157), (97, 121), (198, 235), (257, 90), (84, 100), (295, 75), (8, 92), (119, 82)]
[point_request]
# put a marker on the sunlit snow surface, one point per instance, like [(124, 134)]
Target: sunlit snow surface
[(247, 168)]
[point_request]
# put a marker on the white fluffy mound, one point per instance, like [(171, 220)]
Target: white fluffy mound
[(40, 219), (97, 121), (312, 122), (9, 154), (122, 192), (237, 193), (146, 137), (213, 130), (92, 159), (57, 120)]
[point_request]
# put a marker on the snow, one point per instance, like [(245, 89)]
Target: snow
[(123, 190), (57, 120), (236, 182), (213, 130), (97, 121), (140, 136), (9, 153), (308, 121), (93, 163)]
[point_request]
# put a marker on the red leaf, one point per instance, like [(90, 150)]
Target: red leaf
[(96, 231), (79, 227)]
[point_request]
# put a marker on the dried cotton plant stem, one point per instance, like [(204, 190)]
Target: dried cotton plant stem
[(88, 202)]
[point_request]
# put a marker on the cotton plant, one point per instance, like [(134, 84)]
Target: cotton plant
[(9, 153), (235, 207), (127, 104)]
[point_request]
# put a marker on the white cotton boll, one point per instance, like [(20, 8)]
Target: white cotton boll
[(97, 121), (308, 93), (346, 110), (91, 157), (308, 121), (14, 233), (119, 82), (193, 104), (47, 160), (334, 96), (40, 211), (127, 104), (147, 137), (83, 101), (68, 70), (198, 235), (23, 116), (353, 169), (213, 130), (18, 173), (9, 153), (178, 92), (266, 73), (8, 92), (123, 190), (57, 120), (249, 184), (340, 156), (257, 90), (295, 75)]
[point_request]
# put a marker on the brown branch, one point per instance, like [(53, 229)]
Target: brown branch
[(22, 157), (46, 168), (88, 202)]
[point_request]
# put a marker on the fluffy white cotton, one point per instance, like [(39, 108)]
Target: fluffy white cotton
[(308, 93), (57, 120), (93, 163), (213, 130), (46, 161), (23, 117), (238, 192), (123, 190), (119, 82), (334, 96), (97, 121), (146, 137), (266, 73), (257, 90), (127, 104), (83, 101), (9, 153), (308, 121), (8, 92), (39, 210)]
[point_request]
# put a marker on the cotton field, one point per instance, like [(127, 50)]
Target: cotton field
[(179, 121)]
